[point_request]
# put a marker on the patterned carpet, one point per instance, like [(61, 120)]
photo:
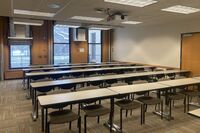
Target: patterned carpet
[(15, 117)]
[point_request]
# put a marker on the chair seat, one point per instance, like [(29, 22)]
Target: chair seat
[(95, 110), (149, 100), (64, 116), (176, 96), (127, 104)]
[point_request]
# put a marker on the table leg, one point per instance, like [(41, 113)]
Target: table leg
[(46, 118), (165, 112), (109, 124), (42, 119), (29, 93), (34, 105)]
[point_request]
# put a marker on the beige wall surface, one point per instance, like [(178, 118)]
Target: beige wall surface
[(158, 45)]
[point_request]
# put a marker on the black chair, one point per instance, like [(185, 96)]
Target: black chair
[(62, 116), (40, 92), (146, 100), (191, 92), (94, 110), (125, 103), (91, 108), (176, 94)]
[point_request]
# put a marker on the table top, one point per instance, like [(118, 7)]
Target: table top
[(198, 77), (84, 70), (58, 82), (180, 82), (75, 97), (195, 112), (137, 88), (70, 66), (98, 78)]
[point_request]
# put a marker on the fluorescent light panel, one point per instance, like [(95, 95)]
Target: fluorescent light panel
[(28, 23), (99, 28), (131, 22), (33, 13), (86, 18), (137, 3), (70, 26), (181, 9)]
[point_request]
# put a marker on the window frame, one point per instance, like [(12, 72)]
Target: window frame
[(62, 44), (101, 43), (30, 50)]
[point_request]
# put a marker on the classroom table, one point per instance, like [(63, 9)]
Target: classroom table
[(180, 83), (130, 89), (69, 67), (83, 72), (75, 98), (73, 64), (89, 80)]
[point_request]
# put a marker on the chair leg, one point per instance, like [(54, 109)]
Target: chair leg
[(79, 108), (121, 120), (131, 112), (126, 113), (48, 128), (161, 109), (85, 124), (188, 104), (184, 102), (70, 125), (36, 108), (170, 108), (144, 114), (79, 124), (98, 119), (141, 119)]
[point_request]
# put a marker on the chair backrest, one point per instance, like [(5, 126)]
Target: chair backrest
[(59, 106), (88, 88), (118, 84), (44, 89), (96, 83), (180, 77), (67, 86), (140, 82), (163, 79)]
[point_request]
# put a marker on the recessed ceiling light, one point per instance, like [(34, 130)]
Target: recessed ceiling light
[(86, 18), (99, 28), (131, 22), (181, 9), (54, 6), (33, 13), (137, 3), (33, 22)]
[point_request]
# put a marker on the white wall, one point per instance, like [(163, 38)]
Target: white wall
[(157, 45)]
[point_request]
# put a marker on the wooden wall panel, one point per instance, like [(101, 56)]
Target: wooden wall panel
[(190, 59), (105, 46), (40, 47), (76, 55)]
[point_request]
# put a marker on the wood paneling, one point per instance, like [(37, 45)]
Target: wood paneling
[(79, 52), (190, 59), (40, 47), (105, 46)]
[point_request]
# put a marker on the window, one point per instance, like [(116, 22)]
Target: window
[(94, 45), (19, 55), (61, 44)]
